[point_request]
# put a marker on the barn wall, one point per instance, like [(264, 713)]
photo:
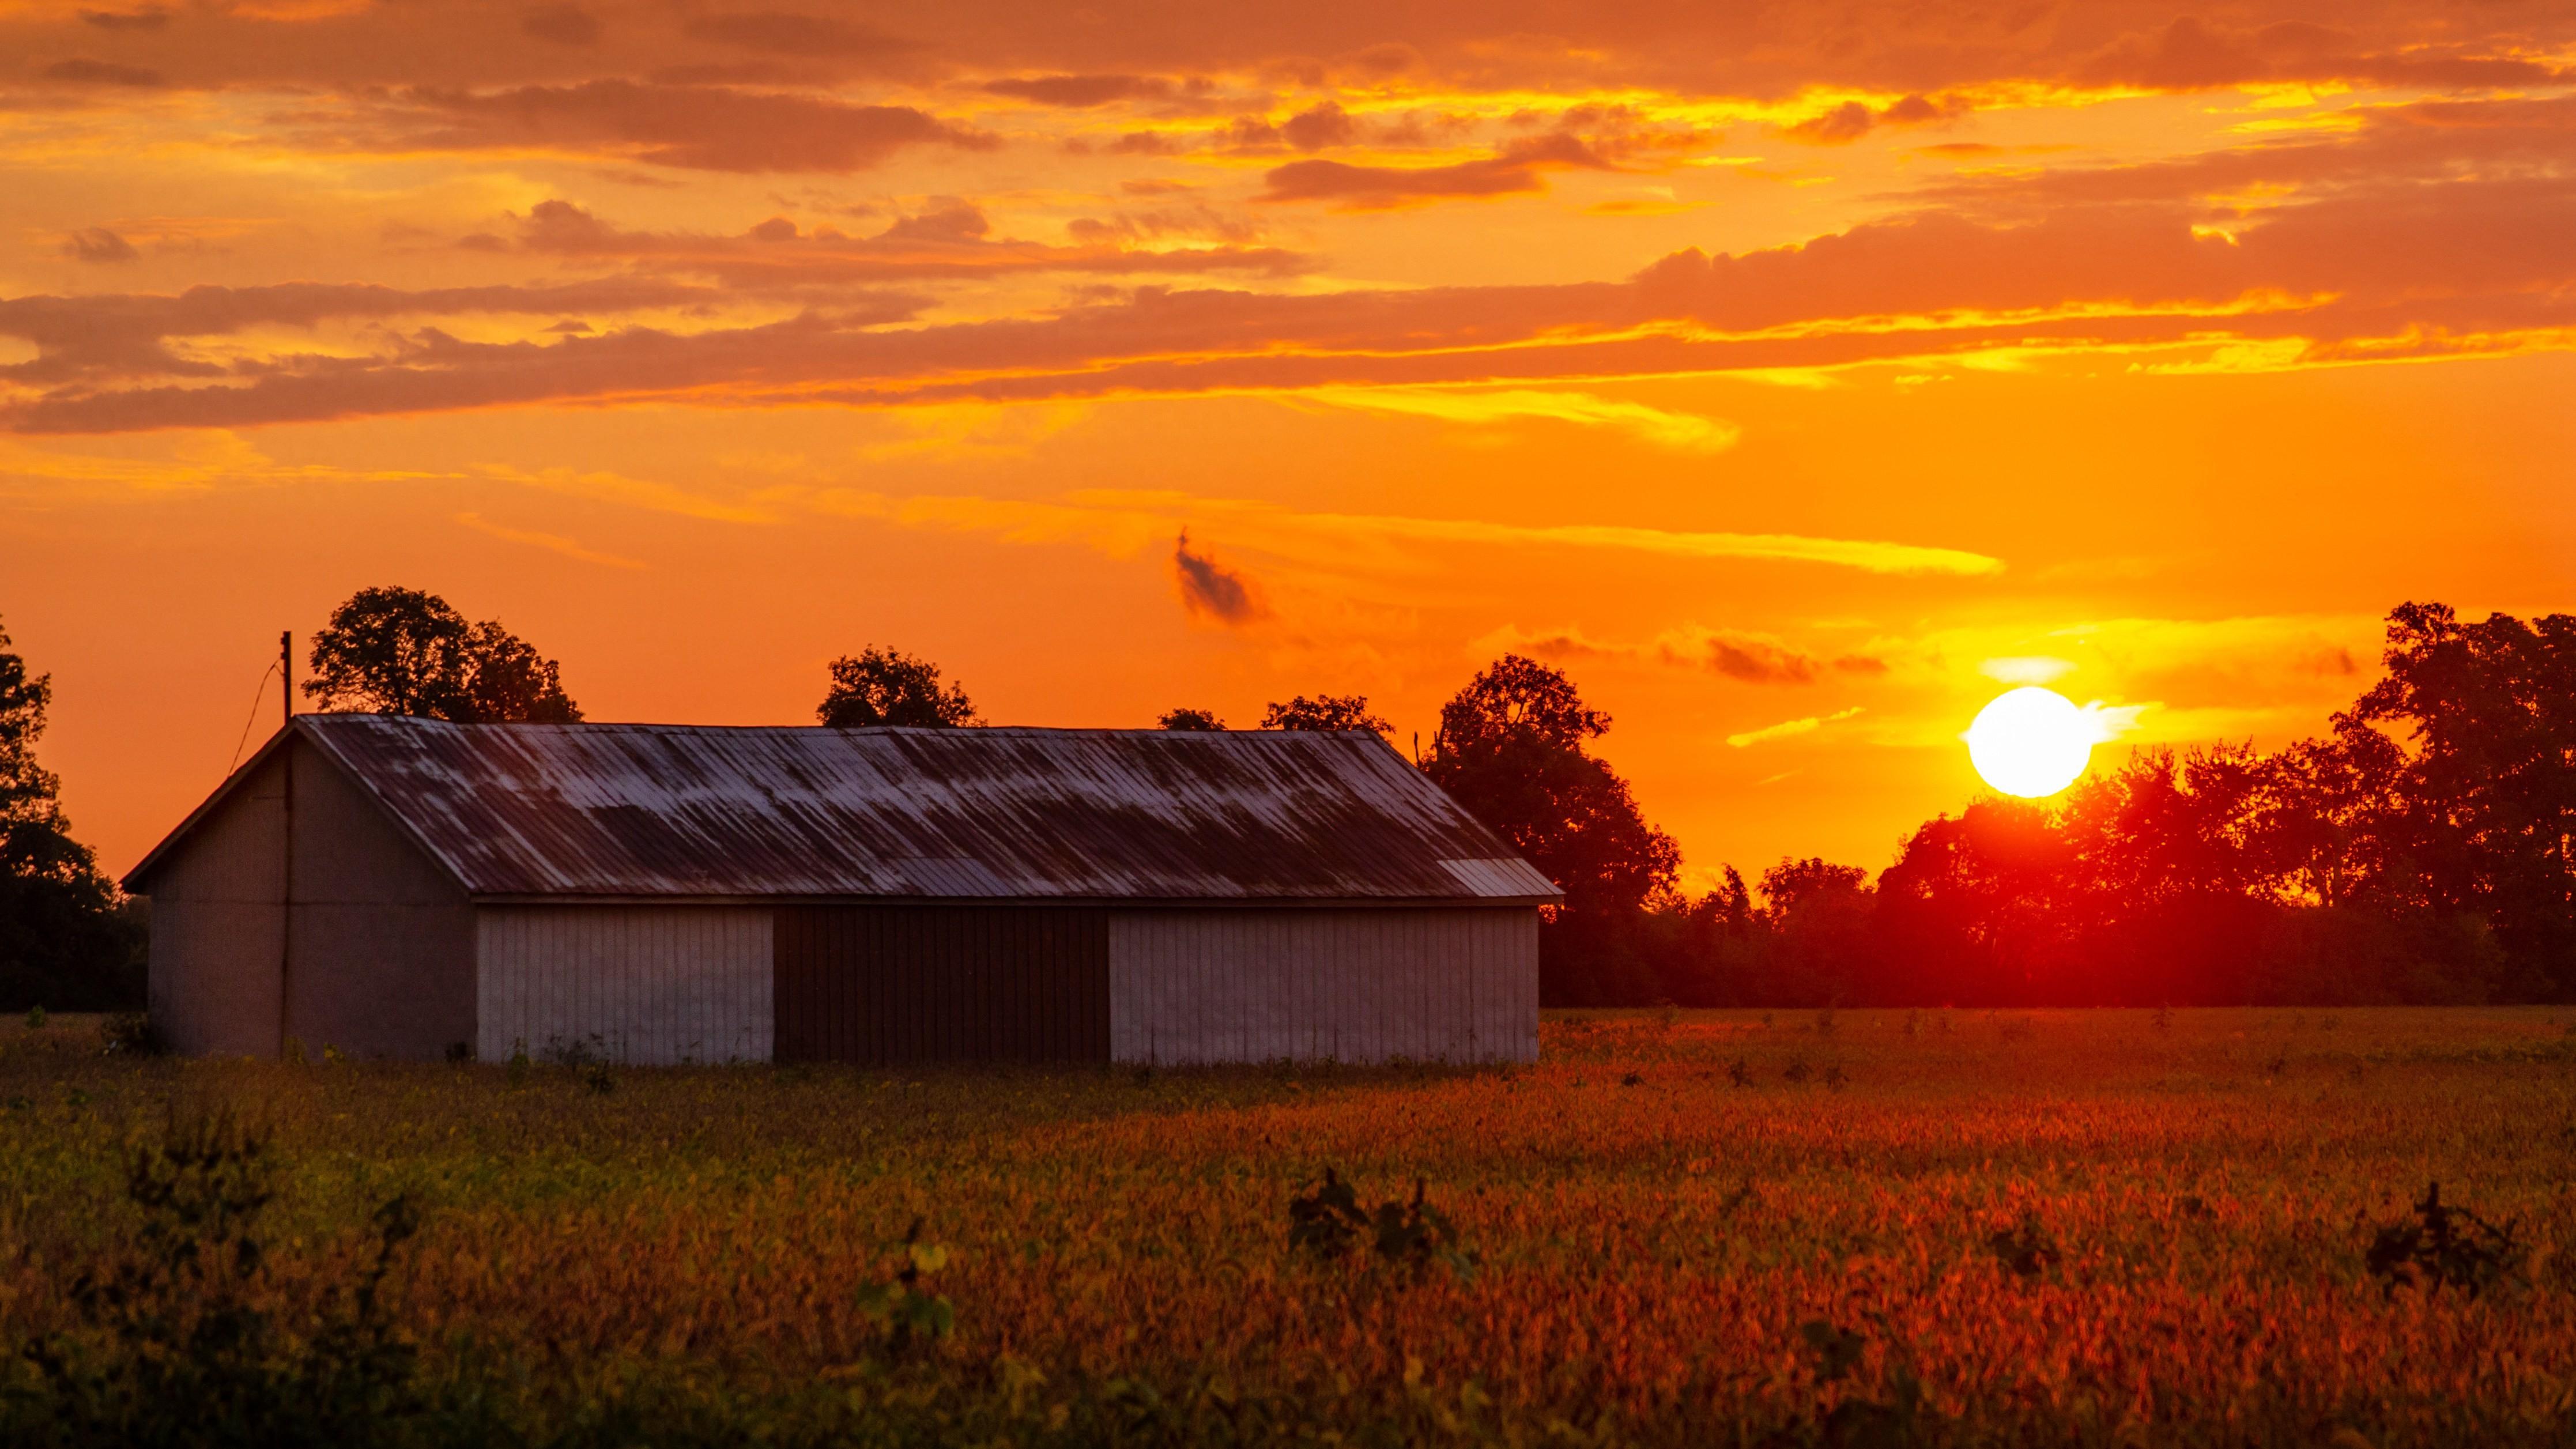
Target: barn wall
[(383, 939), (888, 985), (649, 985), (215, 920), (1349, 985)]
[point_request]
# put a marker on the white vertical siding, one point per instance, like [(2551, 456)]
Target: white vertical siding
[(655, 985), (1350, 985)]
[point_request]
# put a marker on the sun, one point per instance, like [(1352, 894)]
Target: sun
[(2031, 742)]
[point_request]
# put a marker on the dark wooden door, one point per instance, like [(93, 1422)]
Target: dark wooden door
[(893, 985)]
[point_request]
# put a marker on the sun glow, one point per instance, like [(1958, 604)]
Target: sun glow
[(2031, 742)]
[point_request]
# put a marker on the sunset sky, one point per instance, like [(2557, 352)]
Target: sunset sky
[(1796, 375)]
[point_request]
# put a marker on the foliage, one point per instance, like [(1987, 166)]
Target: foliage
[(183, 1340), (906, 1312), (2026, 1247), (693, 1259), (402, 651), (1511, 749), (880, 686), (1328, 1222), (1324, 712), (65, 941), (2444, 1247), (1190, 719)]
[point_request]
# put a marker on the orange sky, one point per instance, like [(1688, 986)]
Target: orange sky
[(1777, 369)]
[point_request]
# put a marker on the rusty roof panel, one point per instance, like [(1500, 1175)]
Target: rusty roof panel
[(949, 814)]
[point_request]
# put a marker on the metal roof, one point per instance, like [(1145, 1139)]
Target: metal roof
[(642, 811)]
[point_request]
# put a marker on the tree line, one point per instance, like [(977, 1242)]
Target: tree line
[(2423, 852)]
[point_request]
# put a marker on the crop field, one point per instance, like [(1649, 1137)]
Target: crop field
[(2132, 1228)]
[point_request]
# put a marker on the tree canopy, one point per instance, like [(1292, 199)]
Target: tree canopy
[(1323, 712), (403, 651), (65, 942), (1190, 719), (881, 686)]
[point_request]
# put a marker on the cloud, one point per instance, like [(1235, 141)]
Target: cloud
[(777, 32), (1378, 188), (554, 543), (108, 335), (2482, 264), (2189, 54), (97, 244), (146, 18), (1789, 728), (1682, 432), (693, 127), (1079, 91), (1852, 120), (1121, 522), (1210, 589), (86, 72), (2025, 669), (1736, 654), (950, 239), (561, 24)]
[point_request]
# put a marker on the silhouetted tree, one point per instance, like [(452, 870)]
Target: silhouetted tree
[(1190, 719), (65, 942), (1511, 749), (2487, 713), (402, 651), (887, 687), (1325, 712)]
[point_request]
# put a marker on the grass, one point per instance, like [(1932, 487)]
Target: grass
[(2117, 1228)]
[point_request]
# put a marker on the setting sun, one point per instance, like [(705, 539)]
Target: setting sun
[(2030, 742)]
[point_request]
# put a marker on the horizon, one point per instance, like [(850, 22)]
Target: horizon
[(1797, 383)]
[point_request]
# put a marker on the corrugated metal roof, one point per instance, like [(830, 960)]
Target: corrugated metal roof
[(950, 814)]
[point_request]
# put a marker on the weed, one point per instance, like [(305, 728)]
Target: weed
[(36, 1017), (2025, 1248), (1855, 1420), (185, 1342), (599, 1079), (1632, 1079), (2279, 1063), (460, 1054), (902, 1309), (1797, 1073), (1825, 1022), (130, 1034), (1914, 1023), (2445, 1247), (1738, 1073), (576, 1052), (1329, 1221), (1834, 1077), (517, 1071), (2164, 1018)]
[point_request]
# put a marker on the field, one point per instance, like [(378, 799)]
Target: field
[(1861, 1227)]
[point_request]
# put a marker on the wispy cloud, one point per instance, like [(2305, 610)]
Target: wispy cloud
[(1788, 728), (1682, 432), (1122, 522), (552, 542)]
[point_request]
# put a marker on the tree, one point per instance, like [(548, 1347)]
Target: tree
[(1190, 720), (402, 651), (1510, 749), (2488, 823), (888, 687), (1324, 712), (65, 940)]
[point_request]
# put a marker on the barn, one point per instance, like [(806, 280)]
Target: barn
[(411, 889)]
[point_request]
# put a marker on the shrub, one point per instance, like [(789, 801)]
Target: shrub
[(2444, 1247)]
